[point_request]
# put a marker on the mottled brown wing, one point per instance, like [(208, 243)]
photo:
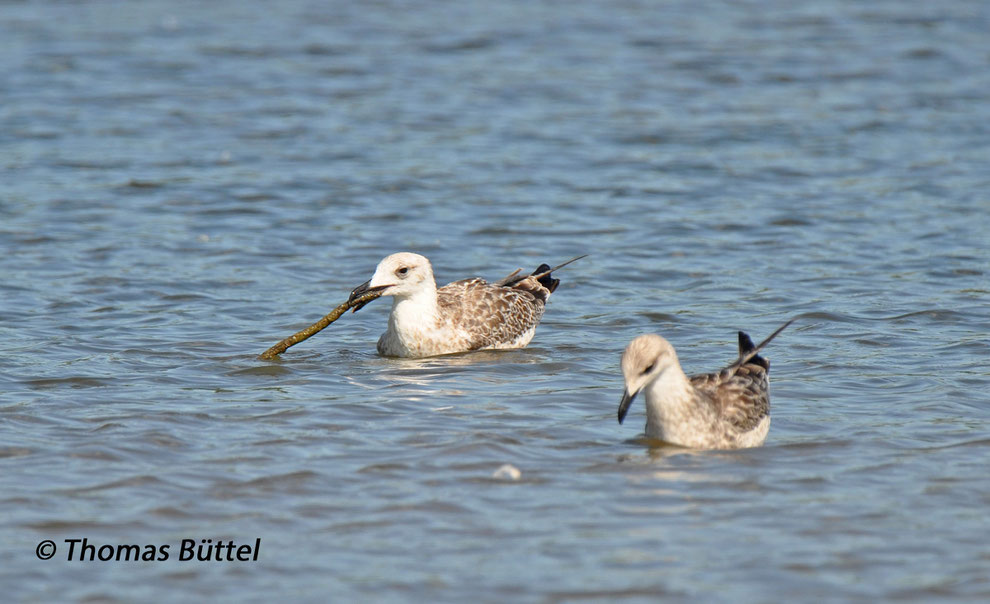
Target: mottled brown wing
[(741, 395), (495, 314)]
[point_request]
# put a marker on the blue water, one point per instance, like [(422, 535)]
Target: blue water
[(182, 185)]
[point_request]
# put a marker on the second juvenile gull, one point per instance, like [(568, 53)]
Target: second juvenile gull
[(470, 314), (729, 409)]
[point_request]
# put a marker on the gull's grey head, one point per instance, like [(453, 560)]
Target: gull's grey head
[(644, 360), (401, 275)]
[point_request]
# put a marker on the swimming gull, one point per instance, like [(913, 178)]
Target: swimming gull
[(729, 409), (470, 314)]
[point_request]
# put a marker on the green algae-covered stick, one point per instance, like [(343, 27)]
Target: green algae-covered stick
[(317, 327)]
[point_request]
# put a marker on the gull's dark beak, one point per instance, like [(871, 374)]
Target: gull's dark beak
[(363, 289), (627, 400)]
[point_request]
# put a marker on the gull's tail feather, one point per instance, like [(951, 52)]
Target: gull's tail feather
[(545, 280), (541, 274), (749, 354), (746, 345)]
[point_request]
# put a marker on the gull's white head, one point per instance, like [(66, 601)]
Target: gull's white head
[(645, 359), (401, 275)]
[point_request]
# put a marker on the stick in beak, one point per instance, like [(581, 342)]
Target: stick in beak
[(363, 289), (357, 299)]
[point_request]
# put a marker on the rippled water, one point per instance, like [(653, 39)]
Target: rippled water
[(183, 185)]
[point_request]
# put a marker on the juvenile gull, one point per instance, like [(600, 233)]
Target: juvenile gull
[(471, 314), (729, 409)]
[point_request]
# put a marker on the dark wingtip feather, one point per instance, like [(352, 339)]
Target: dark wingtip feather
[(542, 275), (546, 280), (751, 356), (746, 345)]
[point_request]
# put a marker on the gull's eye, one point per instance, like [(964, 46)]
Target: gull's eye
[(649, 369), (402, 271)]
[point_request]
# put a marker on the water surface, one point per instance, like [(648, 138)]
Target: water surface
[(183, 185)]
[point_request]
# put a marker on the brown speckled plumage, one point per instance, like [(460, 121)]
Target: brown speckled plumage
[(492, 316), (741, 394)]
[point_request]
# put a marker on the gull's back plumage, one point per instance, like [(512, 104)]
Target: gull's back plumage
[(493, 315), (739, 393)]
